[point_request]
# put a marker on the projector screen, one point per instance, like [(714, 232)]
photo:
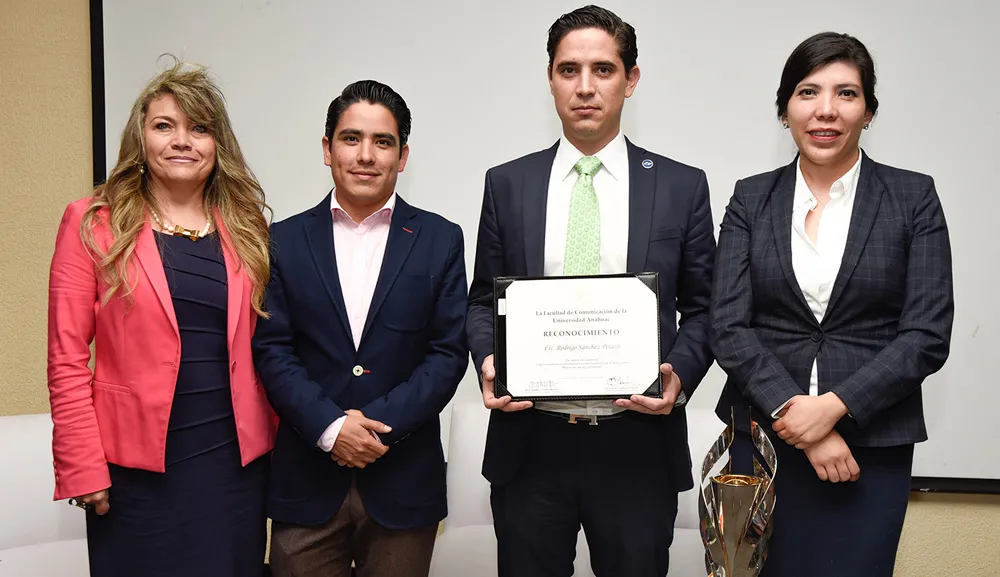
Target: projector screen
[(473, 75)]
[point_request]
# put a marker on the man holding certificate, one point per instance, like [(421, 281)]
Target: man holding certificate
[(586, 253)]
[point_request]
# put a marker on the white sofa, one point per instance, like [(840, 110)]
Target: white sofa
[(38, 536), (467, 545)]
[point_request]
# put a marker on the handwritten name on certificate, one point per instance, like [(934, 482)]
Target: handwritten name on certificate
[(595, 337)]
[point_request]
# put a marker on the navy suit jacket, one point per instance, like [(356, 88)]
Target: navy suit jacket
[(413, 354), (670, 233), (887, 325)]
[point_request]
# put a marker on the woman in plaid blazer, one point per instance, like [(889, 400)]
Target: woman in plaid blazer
[(832, 302)]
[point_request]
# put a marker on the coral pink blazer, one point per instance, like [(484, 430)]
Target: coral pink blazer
[(119, 412)]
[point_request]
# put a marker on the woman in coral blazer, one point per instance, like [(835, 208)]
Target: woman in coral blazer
[(166, 442)]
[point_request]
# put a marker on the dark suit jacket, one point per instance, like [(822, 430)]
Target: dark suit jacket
[(670, 232), (886, 328), (413, 354)]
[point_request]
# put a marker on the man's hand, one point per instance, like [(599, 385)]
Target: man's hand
[(807, 419), (504, 403), (651, 406), (357, 444), (832, 459), (99, 500)]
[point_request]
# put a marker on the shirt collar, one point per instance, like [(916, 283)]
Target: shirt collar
[(842, 188), (386, 210), (613, 157)]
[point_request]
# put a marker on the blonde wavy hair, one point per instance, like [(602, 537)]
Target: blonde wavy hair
[(231, 188)]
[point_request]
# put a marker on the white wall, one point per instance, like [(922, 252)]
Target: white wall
[(473, 74)]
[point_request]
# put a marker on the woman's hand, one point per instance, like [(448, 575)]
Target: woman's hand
[(832, 459), (98, 500), (806, 419)]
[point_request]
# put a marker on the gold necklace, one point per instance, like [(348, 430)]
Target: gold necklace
[(178, 230)]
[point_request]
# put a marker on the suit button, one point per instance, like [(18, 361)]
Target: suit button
[(358, 370), (817, 336)]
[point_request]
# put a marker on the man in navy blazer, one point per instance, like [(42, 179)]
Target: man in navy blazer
[(364, 347), (613, 468)]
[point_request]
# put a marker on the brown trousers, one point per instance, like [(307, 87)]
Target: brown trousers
[(328, 550)]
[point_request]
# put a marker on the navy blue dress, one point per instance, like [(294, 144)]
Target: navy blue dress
[(205, 516)]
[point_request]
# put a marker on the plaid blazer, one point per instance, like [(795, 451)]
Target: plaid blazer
[(887, 326)]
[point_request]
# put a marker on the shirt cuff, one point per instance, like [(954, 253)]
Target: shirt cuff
[(329, 436), (774, 415)]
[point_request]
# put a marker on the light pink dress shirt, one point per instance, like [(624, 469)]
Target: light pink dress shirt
[(360, 248)]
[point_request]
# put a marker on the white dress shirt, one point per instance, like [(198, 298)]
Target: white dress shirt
[(611, 182), (359, 247), (611, 185), (816, 264)]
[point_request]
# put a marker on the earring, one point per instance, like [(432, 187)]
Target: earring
[(785, 125), (142, 169), (866, 127)]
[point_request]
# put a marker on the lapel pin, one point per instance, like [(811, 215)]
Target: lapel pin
[(647, 163), (407, 230)]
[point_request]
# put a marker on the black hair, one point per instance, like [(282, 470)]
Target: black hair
[(820, 50), (602, 19), (375, 93)]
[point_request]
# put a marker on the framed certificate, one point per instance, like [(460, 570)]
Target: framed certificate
[(577, 338)]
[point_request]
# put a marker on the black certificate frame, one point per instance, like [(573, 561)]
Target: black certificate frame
[(500, 286)]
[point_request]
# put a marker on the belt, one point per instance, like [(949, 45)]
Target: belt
[(574, 418)]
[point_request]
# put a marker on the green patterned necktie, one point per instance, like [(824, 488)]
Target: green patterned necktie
[(583, 235)]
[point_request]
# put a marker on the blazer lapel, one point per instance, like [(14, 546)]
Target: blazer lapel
[(534, 200), (782, 201), (403, 231), (234, 280), (149, 258), (641, 192), (866, 204), (319, 234)]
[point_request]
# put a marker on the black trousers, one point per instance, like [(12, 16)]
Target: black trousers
[(824, 529), (611, 479)]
